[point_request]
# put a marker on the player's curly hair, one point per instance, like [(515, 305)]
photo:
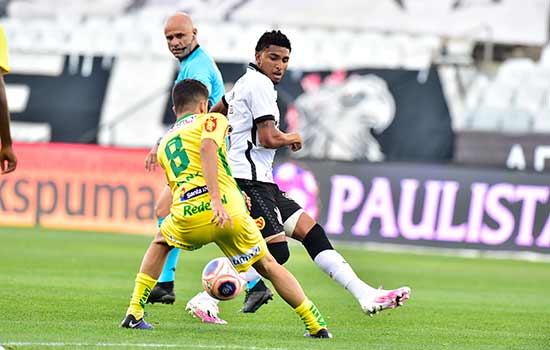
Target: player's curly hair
[(188, 91), (274, 37)]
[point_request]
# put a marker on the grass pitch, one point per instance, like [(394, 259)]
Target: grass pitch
[(70, 290)]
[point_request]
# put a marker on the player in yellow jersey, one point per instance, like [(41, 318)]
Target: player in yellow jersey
[(208, 207), (8, 162)]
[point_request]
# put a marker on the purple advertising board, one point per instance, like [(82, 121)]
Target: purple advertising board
[(423, 204)]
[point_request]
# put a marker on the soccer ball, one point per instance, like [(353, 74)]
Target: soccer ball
[(220, 279)]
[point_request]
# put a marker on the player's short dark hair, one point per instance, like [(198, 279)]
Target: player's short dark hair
[(274, 37), (188, 92)]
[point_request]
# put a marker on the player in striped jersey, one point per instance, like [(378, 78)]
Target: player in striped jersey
[(251, 107)]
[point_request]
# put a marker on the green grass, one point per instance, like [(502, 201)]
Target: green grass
[(72, 288)]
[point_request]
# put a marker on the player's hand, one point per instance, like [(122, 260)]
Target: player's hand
[(151, 159), (247, 201), (220, 216), (8, 162), (296, 145)]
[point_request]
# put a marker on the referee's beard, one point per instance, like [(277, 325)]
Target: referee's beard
[(186, 51)]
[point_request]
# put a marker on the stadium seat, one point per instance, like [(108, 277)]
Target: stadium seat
[(391, 51), (224, 40), (516, 121), (530, 96), (52, 8), (13, 29), (499, 94), (541, 123), (454, 96), (515, 70), (337, 48), (245, 46), (31, 132), (544, 60), (458, 51), (420, 51), (302, 48), (374, 50), (54, 39), (475, 91), (485, 119)]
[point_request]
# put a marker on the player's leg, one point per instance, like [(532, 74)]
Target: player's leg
[(257, 292), (268, 219), (150, 269), (163, 292), (245, 247), (300, 226), (290, 290)]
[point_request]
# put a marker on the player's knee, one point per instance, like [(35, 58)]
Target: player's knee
[(316, 241), (280, 251)]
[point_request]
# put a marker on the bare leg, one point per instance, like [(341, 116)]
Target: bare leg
[(284, 282), (155, 256), (162, 208), (151, 265), (164, 290)]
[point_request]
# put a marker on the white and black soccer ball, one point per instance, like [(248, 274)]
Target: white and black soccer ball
[(220, 279)]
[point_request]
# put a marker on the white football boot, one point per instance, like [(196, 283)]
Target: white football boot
[(204, 307), (383, 299)]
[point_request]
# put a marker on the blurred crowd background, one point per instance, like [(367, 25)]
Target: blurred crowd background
[(99, 71)]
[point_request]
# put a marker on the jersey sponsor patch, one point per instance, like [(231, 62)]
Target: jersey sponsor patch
[(260, 222), (195, 192), (193, 209), (246, 257), (211, 124)]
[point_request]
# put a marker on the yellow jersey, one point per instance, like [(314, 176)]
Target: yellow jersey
[(4, 66), (179, 156)]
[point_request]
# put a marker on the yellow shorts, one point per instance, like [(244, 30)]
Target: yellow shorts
[(243, 244)]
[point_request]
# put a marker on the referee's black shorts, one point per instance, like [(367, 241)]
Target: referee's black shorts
[(270, 206)]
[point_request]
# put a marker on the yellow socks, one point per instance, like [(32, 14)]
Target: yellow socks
[(311, 317), (142, 289)]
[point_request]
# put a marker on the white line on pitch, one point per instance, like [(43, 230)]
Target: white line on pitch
[(140, 345)]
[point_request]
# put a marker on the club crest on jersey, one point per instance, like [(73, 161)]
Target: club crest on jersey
[(211, 124), (260, 223)]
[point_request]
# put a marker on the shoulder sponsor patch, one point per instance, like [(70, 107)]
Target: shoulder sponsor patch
[(211, 124)]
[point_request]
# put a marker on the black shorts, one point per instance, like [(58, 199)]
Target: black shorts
[(270, 206)]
